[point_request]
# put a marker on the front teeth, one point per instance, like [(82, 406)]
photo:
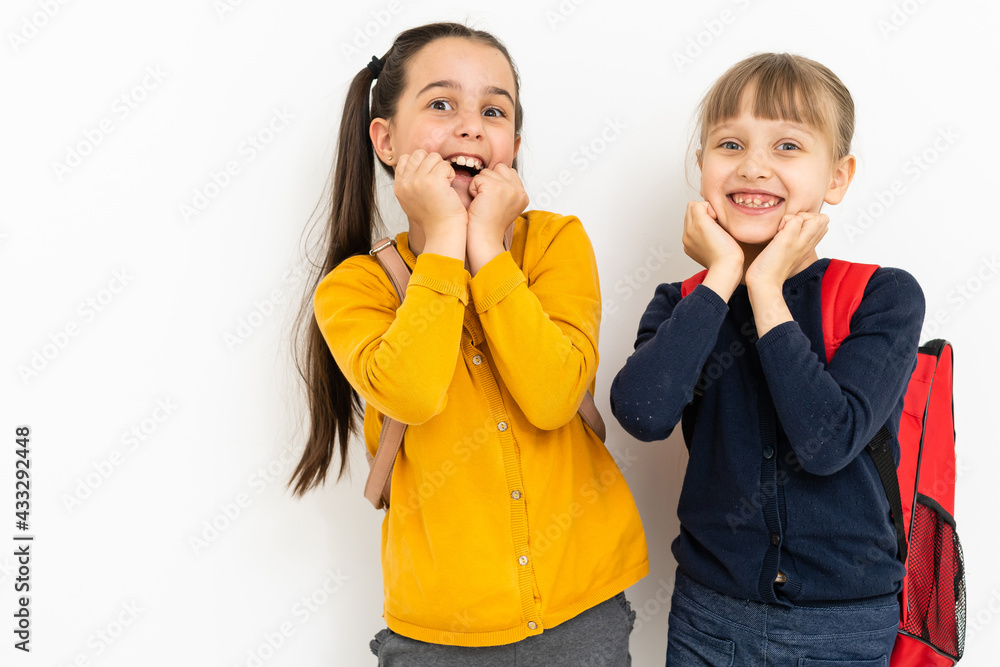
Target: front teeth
[(463, 161), (755, 202)]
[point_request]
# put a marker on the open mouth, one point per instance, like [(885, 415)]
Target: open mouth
[(468, 166), (755, 199)]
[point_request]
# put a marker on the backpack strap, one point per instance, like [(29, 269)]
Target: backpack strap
[(688, 285), (843, 288), (379, 483)]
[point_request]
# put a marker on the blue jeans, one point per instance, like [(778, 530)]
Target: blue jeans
[(597, 637), (708, 629)]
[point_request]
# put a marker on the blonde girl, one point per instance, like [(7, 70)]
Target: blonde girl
[(787, 552)]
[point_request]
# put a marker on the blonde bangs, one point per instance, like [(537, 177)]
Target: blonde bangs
[(782, 86)]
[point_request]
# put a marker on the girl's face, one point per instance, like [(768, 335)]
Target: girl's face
[(755, 171), (459, 103)]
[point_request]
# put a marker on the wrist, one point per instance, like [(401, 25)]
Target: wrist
[(448, 244), (769, 307), (723, 277), (481, 251)]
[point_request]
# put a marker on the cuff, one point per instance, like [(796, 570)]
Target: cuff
[(714, 300), (445, 275), (777, 333), (495, 281)]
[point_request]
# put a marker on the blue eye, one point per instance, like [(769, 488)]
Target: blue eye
[(441, 105), (730, 145), (790, 145)]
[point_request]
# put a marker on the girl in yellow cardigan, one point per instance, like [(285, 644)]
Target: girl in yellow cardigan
[(512, 534)]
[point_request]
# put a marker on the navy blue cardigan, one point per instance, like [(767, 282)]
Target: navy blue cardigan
[(777, 481)]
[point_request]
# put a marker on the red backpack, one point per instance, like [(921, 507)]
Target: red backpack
[(921, 491)]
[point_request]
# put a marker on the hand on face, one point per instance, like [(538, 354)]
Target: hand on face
[(422, 186), (705, 241), (498, 197), (790, 251)]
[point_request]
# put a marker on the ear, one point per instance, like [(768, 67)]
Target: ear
[(843, 173), (517, 144), (379, 132), (697, 156)]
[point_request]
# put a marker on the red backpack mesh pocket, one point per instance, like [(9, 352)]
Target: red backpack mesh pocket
[(935, 582)]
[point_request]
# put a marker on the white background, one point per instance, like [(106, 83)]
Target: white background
[(128, 309)]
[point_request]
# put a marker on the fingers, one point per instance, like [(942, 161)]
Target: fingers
[(421, 163)]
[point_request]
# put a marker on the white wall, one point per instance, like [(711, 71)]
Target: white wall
[(116, 577)]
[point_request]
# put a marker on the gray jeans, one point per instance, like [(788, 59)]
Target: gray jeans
[(597, 637)]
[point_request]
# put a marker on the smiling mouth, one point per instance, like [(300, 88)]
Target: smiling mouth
[(469, 166), (755, 199)]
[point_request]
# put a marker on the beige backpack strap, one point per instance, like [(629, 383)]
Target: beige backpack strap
[(592, 416), (392, 262), (379, 483)]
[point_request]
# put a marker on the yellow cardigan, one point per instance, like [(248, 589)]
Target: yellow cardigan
[(508, 514)]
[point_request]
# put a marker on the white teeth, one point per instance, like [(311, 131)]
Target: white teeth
[(754, 202), (463, 161)]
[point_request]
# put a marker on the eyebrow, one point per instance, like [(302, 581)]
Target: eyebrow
[(449, 83)]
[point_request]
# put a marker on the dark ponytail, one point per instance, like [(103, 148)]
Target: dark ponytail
[(334, 406)]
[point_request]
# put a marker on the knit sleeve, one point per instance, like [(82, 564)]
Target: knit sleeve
[(675, 338), (830, 411), (542, 323), (400, 358)]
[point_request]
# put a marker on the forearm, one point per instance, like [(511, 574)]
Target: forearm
[(401, 361), (546, 354), (658, 380)]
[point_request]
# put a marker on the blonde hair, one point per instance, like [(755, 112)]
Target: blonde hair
[(784, 87)]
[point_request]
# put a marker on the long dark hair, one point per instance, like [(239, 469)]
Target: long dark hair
[(334, 406)]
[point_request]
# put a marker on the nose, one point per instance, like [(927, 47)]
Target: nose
[(469, 124), (755, 163)]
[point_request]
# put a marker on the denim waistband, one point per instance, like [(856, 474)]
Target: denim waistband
[(762, 617)]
